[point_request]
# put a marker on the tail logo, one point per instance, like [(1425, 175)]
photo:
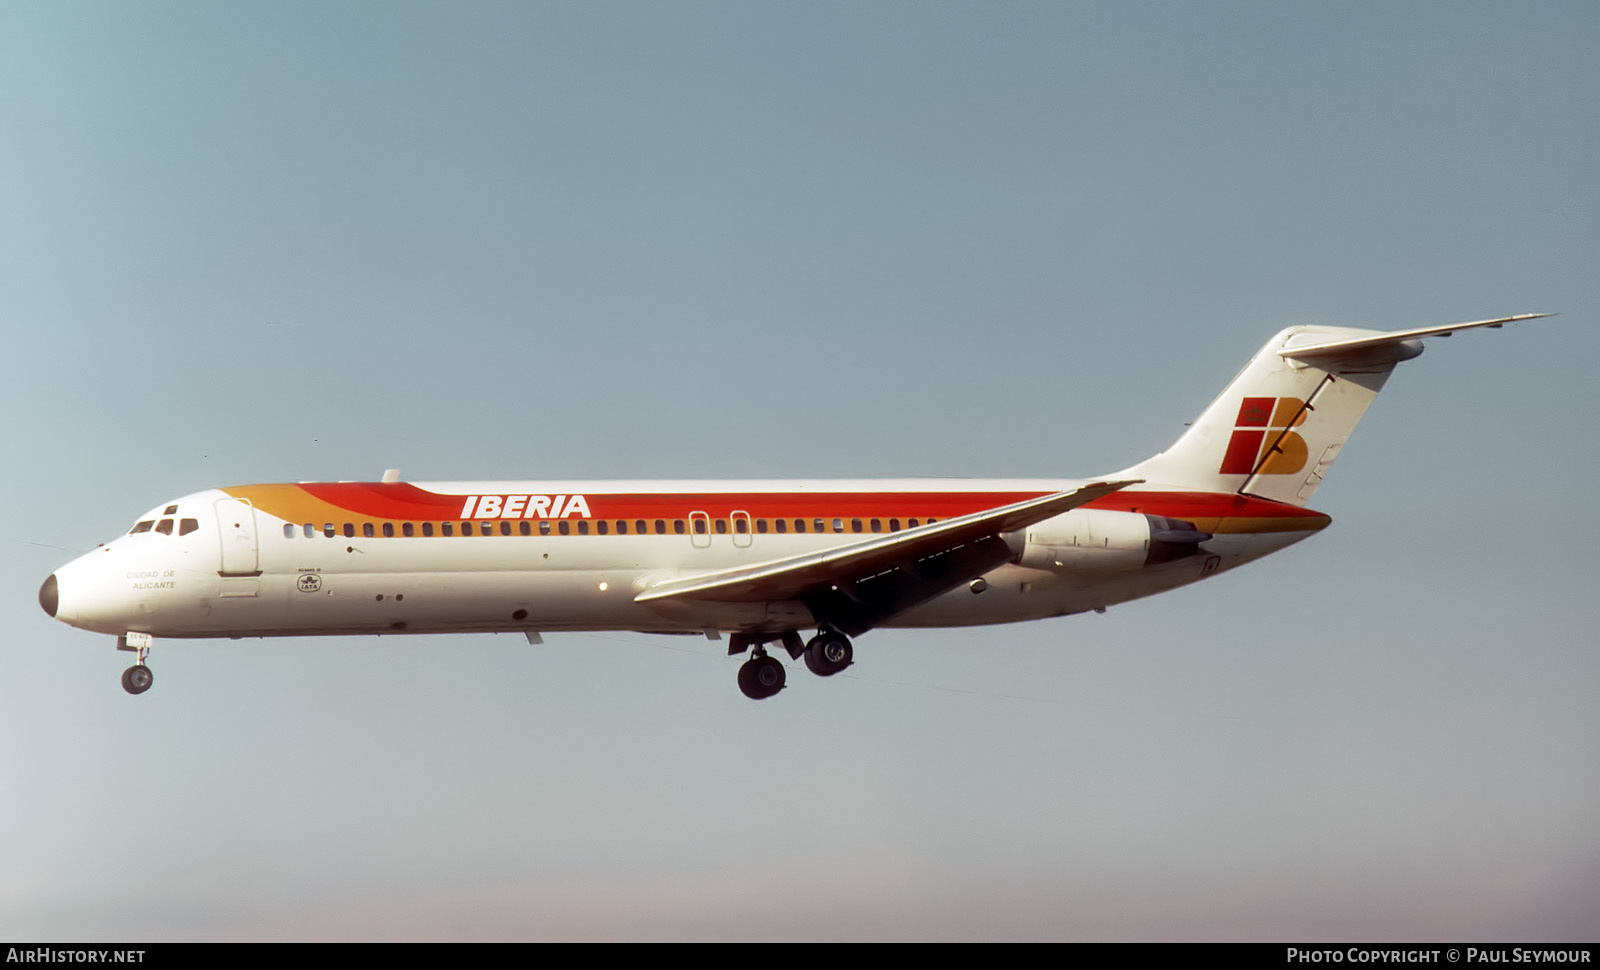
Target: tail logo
[(1261, 440)]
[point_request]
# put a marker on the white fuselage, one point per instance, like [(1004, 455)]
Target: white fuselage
[(369, 558)]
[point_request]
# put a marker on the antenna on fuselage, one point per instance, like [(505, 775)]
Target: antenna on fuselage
[(391, 475)]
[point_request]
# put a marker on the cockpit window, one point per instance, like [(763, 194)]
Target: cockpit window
[(186, 526), (164, 527), (171, 510), (142, 527)]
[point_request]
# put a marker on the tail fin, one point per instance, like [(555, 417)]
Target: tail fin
[(1277, 428)]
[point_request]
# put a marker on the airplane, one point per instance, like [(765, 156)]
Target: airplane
[(759, 561)]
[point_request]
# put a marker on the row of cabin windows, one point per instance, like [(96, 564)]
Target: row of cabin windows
[(583, 527), (164, 527)]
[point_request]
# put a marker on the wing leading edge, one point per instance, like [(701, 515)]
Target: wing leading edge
[(903, 568)]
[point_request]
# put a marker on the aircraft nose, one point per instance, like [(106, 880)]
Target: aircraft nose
[(50, 595)]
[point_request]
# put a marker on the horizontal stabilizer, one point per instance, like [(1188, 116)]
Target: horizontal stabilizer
[(799, 576), (1336, 348)]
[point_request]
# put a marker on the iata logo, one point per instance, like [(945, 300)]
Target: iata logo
[(524, 507), (1262, 441)]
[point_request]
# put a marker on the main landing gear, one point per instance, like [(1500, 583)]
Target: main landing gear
[(761, 676), (828, 653), (138, 678)]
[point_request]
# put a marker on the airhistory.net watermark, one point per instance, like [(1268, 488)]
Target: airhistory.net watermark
[(48, 955)]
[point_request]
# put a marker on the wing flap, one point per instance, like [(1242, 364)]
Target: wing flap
[(798, 576)]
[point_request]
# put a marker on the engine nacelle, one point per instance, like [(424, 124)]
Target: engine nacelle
[(1094, 540)]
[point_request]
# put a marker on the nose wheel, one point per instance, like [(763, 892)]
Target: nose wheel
[(138, 678)]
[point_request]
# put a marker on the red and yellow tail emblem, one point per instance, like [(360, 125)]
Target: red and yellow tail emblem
[(1261, 437)]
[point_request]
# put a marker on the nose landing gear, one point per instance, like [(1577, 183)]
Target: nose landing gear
[(138, 678)]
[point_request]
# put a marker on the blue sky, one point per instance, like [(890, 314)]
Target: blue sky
[(272, 242)]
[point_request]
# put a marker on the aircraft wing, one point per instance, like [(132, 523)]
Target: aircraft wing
[(877, 577)]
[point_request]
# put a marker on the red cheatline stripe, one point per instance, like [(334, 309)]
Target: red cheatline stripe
[(406, 502)]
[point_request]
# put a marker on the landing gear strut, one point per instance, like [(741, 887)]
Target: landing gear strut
[(138, 678)]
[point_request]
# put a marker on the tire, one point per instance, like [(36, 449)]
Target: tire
[(761, 677), (829, 653), (137, 679)]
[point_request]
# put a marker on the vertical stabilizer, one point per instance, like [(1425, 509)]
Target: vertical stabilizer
[(1277, 429)]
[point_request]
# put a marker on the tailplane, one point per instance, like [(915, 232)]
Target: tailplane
[(1277, 429)]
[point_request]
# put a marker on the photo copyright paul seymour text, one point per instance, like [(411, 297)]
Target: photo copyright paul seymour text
[(1470, 954)]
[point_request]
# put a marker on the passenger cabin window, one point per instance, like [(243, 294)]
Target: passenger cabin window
[(310, 530), (186, 526), (408, 530), (288, 530), (544, 527), (427, 528), (505, 527), (366, 530), (327, 529), (447, 528), (349, 530)]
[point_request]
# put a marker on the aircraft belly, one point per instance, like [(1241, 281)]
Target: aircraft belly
[(411, 602), (762, 616)]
